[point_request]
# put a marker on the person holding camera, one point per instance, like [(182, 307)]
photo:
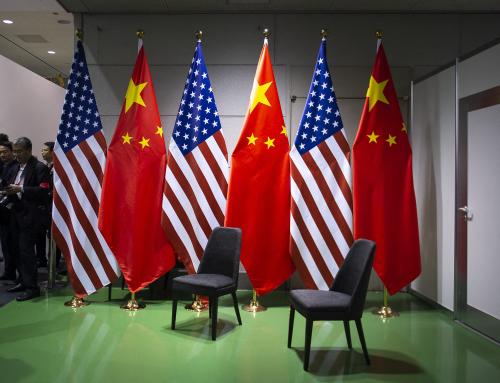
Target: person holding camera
[(28, 190)]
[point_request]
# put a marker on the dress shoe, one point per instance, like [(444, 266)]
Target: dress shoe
[(27, 295), (17, 288)]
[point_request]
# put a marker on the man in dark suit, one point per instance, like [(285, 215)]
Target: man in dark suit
[(8, 166), (29, 193)]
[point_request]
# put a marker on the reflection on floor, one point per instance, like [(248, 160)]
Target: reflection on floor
[(43, 341)]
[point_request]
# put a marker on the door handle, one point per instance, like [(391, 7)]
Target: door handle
[(467, 213)]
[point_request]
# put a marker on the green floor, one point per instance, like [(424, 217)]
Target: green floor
[(44, 341)]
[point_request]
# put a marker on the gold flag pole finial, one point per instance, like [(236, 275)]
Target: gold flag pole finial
[(324, 33), (379, 34), (266, 32), (79, 34), (254, 306), (140, 33), (198, 35)]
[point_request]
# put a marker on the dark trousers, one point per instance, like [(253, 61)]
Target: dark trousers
[(23, 248), (9, 257), (41, 247)]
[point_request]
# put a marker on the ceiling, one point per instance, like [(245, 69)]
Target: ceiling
[(39, 26), (43, 25), (222, 6)]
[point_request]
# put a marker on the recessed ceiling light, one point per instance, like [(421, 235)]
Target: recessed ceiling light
[(8, 21), (51, 52)]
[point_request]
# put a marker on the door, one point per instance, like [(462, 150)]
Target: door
[(477, 214)]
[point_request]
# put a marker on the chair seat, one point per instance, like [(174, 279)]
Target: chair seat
[(204, 281), (314, 301)]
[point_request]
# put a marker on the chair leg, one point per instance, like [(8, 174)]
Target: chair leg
[(307, 348), (210, 304), (290, 326), (110, 287), (214, 317), (174, 313), (123, 283), (347, 330), (236, 308), (362, 340)]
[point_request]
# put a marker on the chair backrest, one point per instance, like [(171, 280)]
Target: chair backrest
[(222, 253), (354, 274)]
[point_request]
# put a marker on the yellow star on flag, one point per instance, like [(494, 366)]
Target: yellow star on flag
[(134, 94), (259, 95), (269, 142), (403, 129), (159, 131), (144, 142), (252, 139), (283, 131), (391, 140), (375, 92), (373, 137), (127, 139)]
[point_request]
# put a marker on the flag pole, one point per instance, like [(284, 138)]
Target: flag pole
[(200, 303), (385, 311), (379, 34), (133, 304), (254, 306), (75, 301)]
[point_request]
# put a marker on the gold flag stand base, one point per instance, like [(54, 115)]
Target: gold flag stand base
[(76, 302), (197, 306), (254, 306), (133, 304), (385, 311)]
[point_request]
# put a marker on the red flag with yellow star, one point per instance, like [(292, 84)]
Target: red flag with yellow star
[(258, 199), (132, 189), (384, 198)]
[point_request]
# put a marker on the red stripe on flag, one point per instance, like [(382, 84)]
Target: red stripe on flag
[(188, 191)]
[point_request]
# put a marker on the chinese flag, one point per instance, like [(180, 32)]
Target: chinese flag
[(258, 199), (132, 190), (384, 198)]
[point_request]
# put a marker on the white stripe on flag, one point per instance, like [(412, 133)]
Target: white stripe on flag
[(320, 202), (188, 173), (307, 257), (186, 206), (75, 262), (311, 225), (181, 232)]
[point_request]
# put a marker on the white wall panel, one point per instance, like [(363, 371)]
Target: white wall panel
[(30, 105), (433, 145), (479, 72)]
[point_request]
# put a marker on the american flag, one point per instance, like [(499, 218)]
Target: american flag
[(80, 153), (321, 212), (194, 200)]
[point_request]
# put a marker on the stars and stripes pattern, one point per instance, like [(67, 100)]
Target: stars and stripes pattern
[(321, 211), (80, 153), (194, 200)]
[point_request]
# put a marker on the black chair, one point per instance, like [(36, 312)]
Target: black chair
[(217, 273), (344, 301)]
